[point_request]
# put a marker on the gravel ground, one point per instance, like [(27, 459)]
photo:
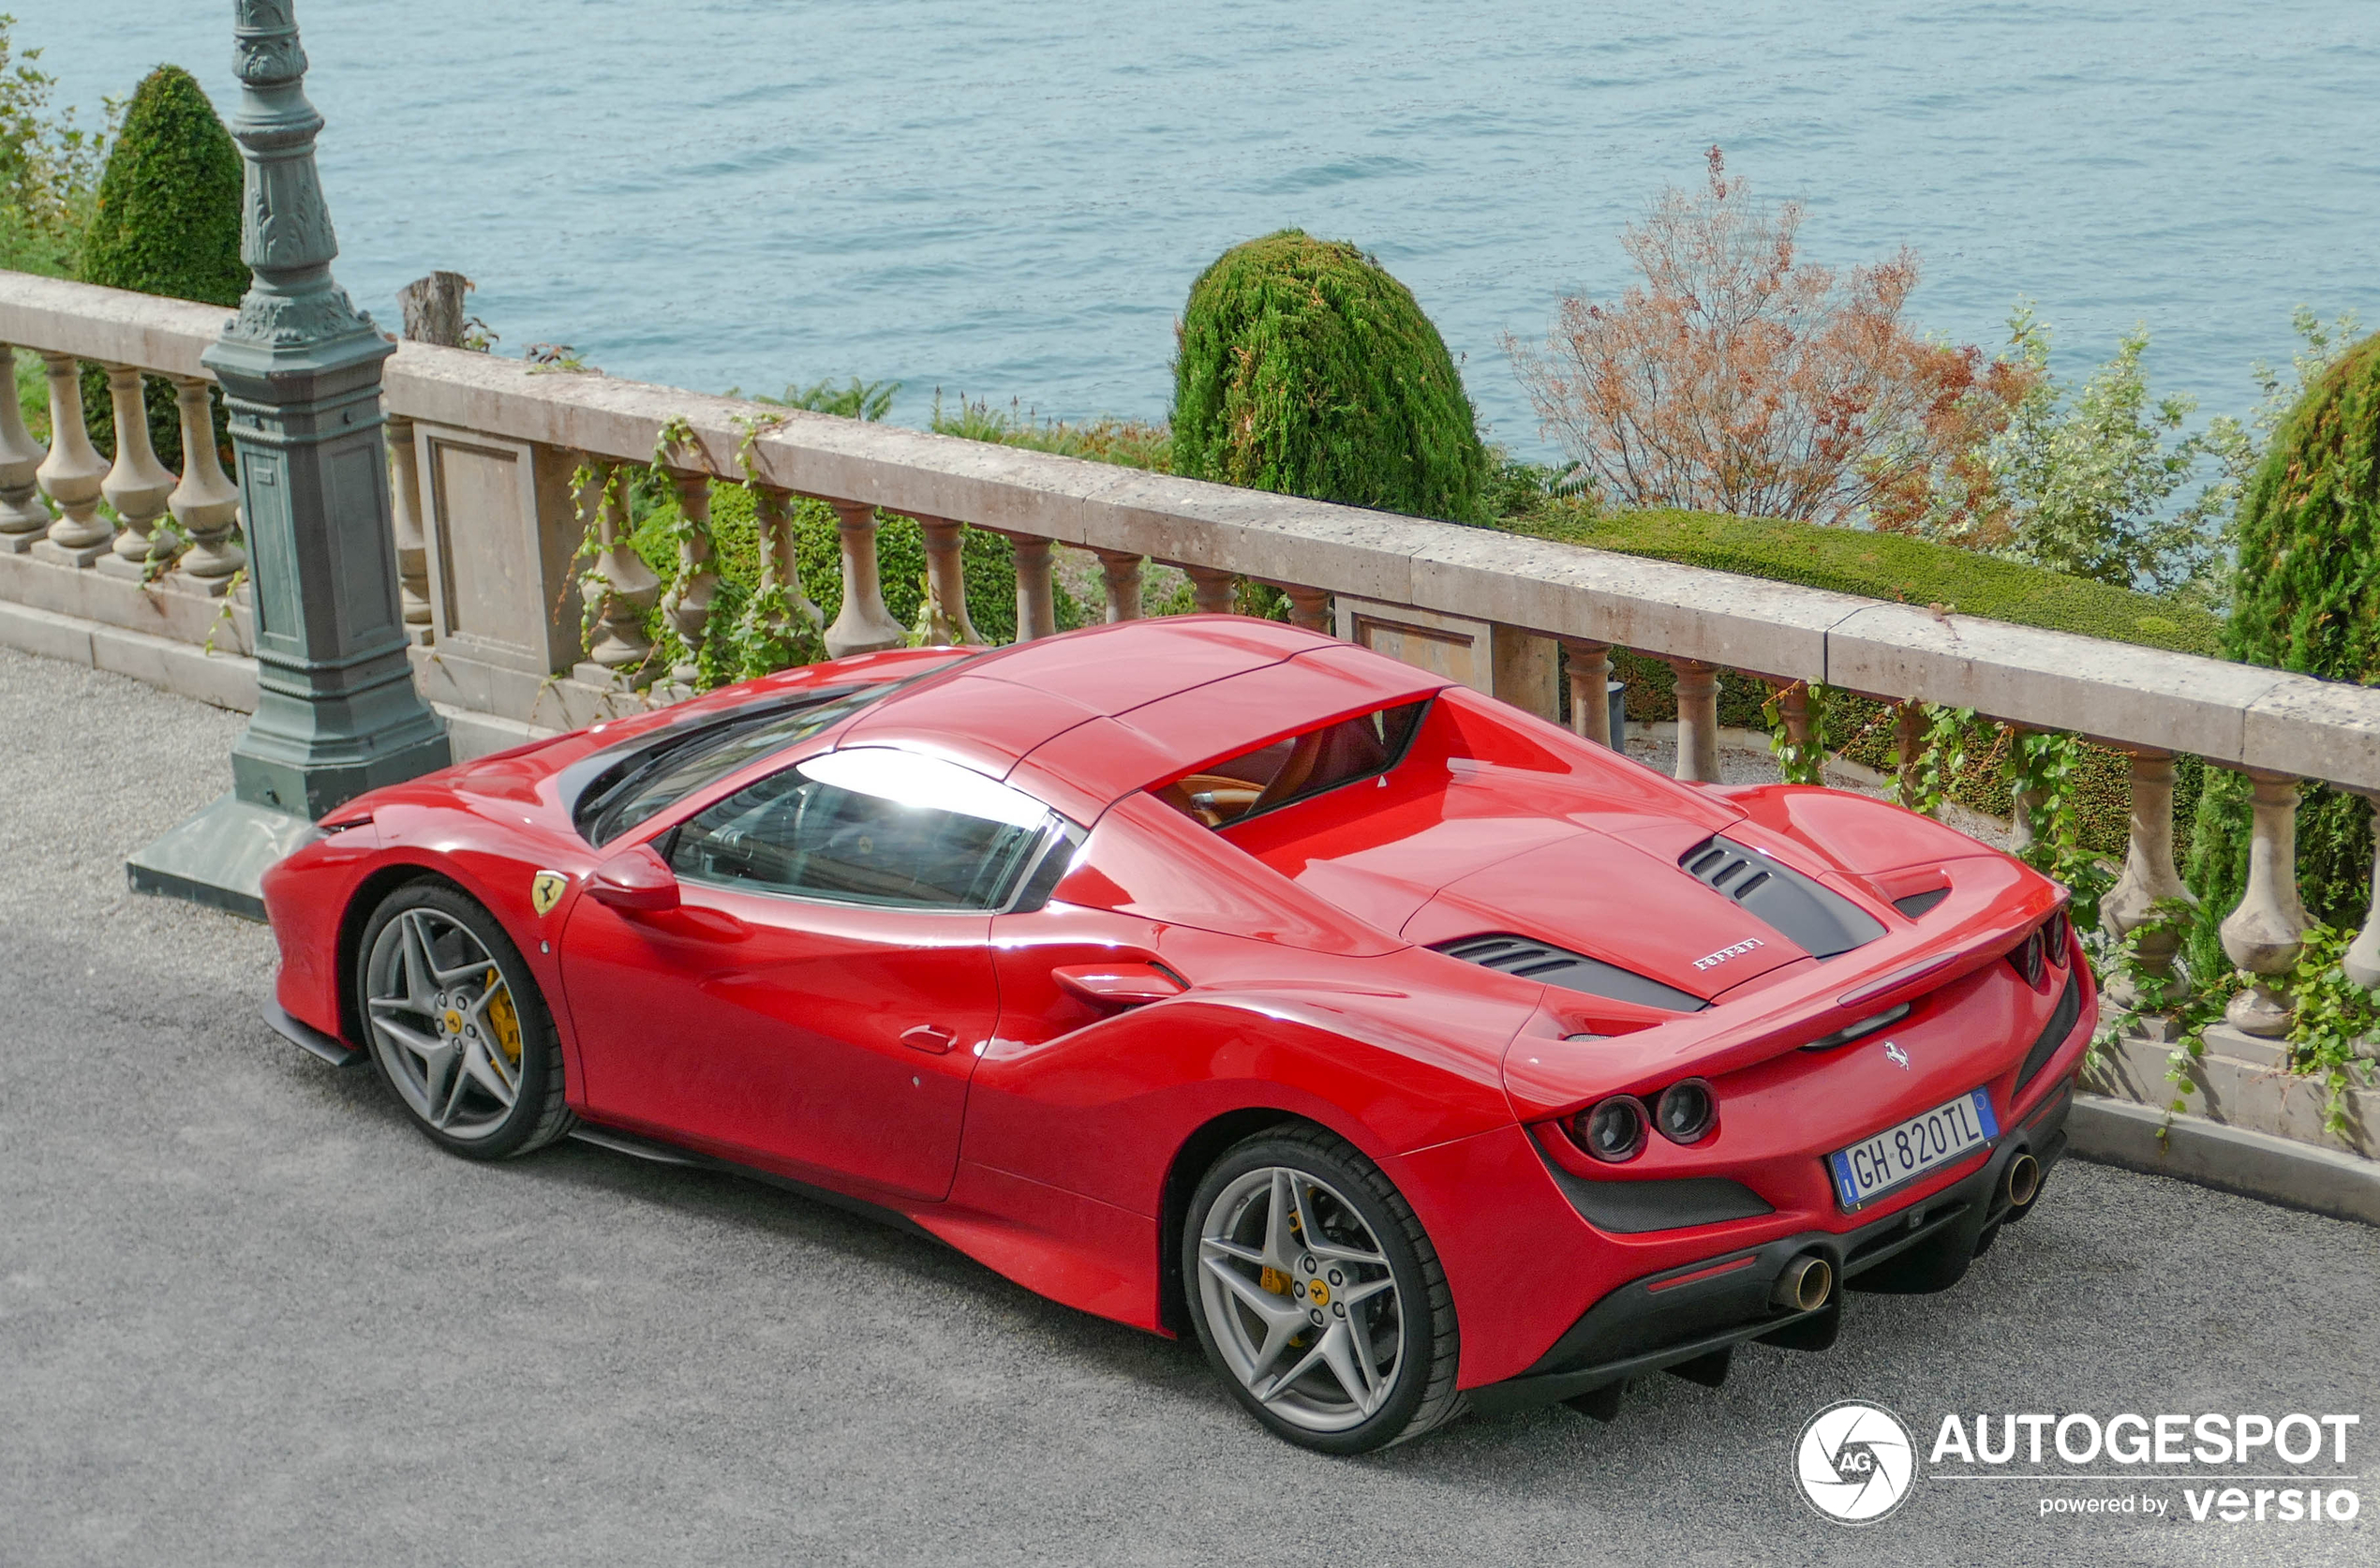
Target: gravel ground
[(247, 1316)]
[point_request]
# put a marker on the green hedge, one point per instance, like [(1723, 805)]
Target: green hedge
[(2308, 599), (1909, 571), (168, 223), (1885, 566), (1304, 368)]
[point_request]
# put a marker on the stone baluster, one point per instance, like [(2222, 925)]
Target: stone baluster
[(1036, 588), (1212, 590), (22, 517), (1909, 742), (947, 582), (688, 606), (1792, 707), (1589, 667), (1309, 608), (413, 543), (623, 586), (1696, 721), (2361, 960), (71, 475), (1120, 573), (206, 505), (2264, 935), (780, 555), (137, 484), (2149, 877), (864, 625)]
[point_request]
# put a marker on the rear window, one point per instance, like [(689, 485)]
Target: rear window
[(1297, 768), (665, 770)]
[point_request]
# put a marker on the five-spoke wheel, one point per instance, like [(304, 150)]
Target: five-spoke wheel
[(458, 1026), (1317, 1295)]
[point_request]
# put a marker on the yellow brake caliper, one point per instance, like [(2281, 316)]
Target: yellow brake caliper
[(502, 1019)]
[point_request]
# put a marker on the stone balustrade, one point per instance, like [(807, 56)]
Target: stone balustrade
[(502, 469)]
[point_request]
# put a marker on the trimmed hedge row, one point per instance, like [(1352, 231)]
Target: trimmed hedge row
[(1909, 571), (1883, 566)]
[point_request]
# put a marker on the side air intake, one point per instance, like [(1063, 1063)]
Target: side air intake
[(1814, 918), (2053, 1035), (1533, 959)]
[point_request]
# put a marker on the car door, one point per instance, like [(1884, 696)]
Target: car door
[(816, 1002)]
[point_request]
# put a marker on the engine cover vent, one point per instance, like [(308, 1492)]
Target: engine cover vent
[(1915, 904), (1814, 918), (1532, 959)]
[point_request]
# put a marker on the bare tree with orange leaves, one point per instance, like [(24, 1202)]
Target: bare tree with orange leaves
[(1737, 378)]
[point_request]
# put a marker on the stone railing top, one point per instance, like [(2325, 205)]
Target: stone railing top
[(2236, 715)]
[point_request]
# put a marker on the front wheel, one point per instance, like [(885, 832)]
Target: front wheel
[(1317, 1296), (456, 1024)]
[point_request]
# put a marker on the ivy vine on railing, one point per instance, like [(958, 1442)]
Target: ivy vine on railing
[(1801, 762), (1942, 757), (2334, 1024), (757, 630), (2043, 770)]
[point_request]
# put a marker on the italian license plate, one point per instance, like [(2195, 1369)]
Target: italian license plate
[(1918, 1146)]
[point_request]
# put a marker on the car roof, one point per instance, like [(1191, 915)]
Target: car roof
[(1084, 718)]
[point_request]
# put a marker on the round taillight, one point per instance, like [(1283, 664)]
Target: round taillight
[(2059, 937), (1612, 1130), (2027, 957), (1686, 1112)]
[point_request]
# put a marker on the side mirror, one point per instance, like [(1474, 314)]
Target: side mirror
[(1131, 983), (636, 879)]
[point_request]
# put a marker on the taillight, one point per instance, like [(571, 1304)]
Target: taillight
[(2059, 937), (1686, 1112), (1612, 1130)]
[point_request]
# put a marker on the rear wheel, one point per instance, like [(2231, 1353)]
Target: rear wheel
[(458, 1026), (1317, 1296)]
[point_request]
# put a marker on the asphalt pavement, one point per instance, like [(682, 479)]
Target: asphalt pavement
[(247, 1316)]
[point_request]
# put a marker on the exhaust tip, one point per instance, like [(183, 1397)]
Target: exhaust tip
[(2024, 1180), (1806, 1283)]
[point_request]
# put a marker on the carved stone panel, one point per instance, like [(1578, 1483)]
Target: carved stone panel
[(499, 527), (1496, 660)]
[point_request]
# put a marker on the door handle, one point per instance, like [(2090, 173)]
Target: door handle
[(927, 1037)]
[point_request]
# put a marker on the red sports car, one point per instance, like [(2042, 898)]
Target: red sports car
[(1212, 974)]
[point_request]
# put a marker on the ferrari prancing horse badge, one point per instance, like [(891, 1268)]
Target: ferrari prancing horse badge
[(546, 890)]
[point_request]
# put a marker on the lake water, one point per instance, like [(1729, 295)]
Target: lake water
[(1010, 200)]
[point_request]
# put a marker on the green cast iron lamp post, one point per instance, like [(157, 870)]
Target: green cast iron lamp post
[(338, 713)]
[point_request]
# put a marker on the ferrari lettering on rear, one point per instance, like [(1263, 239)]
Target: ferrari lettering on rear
[(1712, 961)]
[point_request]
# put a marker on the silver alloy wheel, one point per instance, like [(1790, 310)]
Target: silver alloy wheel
[(444, 1024), (1301, 1299)]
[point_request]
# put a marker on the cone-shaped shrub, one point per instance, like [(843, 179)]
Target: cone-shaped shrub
[(1306, 369), (2307, 598), (168, 223)]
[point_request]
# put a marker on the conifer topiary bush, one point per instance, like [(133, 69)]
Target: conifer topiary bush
[(1304, 368), (2306, 598), (168, 223)]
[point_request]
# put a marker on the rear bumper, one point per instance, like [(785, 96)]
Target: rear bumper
[(1692, 1310)]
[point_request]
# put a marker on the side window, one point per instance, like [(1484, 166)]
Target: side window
[(870, 825), (1222, 793)]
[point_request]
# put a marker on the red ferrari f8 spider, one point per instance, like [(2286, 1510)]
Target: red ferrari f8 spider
[(1214, 976)]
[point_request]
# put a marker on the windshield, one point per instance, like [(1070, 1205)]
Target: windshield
[(663, 771)]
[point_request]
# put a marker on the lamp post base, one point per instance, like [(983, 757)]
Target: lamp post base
[(218, 856)]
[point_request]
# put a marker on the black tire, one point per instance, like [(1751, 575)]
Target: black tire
[(1421, 1392), (538, 1114)]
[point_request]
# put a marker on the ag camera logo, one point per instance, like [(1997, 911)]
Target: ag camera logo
[(1856, 1462)]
